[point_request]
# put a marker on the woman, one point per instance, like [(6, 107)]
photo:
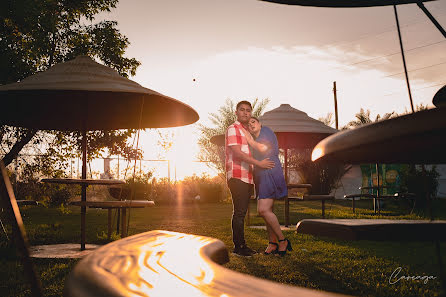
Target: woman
[(269, 183)]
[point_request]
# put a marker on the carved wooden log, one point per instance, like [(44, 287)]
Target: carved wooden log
[(163, 263)]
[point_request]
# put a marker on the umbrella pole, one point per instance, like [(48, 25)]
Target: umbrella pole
[(286, 165), (287, 202), (377, 189), (84, 187)]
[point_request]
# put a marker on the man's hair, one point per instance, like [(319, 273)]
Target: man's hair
[(243, 102)]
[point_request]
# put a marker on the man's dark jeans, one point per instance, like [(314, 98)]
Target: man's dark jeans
[(241, 193)]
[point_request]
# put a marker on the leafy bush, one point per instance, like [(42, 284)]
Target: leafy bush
[(413, 180), (323, 176), (48, 194), (59, 195), (140, 186), (191, 189), (162, 191), (206, 188)]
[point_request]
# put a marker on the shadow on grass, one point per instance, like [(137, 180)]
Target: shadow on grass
[(356, 268)]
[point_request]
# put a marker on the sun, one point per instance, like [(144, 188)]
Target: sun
[(180, 155), (184, 155)]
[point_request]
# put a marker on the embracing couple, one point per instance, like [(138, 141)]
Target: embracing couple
[(252, 157)]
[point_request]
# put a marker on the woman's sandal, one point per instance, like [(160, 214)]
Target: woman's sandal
[(288, 247), (273, 251)]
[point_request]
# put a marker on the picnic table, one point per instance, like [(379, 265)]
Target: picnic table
[(122, 205), (308, 197), (109, 205)]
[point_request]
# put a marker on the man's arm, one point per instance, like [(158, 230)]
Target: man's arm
[(237, 152)]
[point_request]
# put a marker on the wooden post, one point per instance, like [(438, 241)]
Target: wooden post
[(323, 209), (426, 191), (118, 220), (109, 223), (12, 209), (124, 223), (83, 187), (377, 188), (335, 104), (287, 202), (286, 164)]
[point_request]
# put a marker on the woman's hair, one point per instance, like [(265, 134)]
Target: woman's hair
[(255, 119)]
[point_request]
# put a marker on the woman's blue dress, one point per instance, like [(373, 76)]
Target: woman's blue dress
[(269, 183)]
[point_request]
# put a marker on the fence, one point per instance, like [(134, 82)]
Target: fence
[(119, 168)]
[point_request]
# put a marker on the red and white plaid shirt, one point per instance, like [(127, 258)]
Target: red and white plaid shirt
[(236, 168)]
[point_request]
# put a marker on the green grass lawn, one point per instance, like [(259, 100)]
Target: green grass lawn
[(360, 268)]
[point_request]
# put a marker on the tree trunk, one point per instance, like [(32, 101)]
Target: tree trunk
[(9, 157)]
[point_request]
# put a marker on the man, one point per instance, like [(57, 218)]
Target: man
[(239, 175)]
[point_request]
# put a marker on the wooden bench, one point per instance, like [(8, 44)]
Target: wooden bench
[(375, 197), (84, 183), (371, 229), (123, 205), (162, 263), (321, 198), (27, 202)]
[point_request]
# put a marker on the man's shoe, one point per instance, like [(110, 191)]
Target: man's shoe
[(244, 251)]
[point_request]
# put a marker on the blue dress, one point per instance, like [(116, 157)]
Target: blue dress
[(269, 183)]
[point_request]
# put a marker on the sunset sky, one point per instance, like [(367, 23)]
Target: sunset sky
[(247, 49)]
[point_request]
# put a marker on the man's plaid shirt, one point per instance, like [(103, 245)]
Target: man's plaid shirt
[(236, 168)]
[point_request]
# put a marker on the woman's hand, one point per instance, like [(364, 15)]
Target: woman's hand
[(254, 144), (248, 136)]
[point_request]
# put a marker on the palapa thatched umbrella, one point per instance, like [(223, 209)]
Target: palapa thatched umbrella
[(293, 128), (83, 95)]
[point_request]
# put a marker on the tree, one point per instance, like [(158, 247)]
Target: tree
[(35, 35), (363, 117), (327, 120), (324, 176), (221, 121)]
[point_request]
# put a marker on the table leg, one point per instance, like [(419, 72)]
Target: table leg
[(287, 211), (323, 209), (83, 215), (109, 223), (118, 220), (124, 223)]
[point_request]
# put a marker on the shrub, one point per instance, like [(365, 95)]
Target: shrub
[(413, 180), (48, 194), (323, 176), (139, 187), (59, 195), (162, 191), (207, 188)]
